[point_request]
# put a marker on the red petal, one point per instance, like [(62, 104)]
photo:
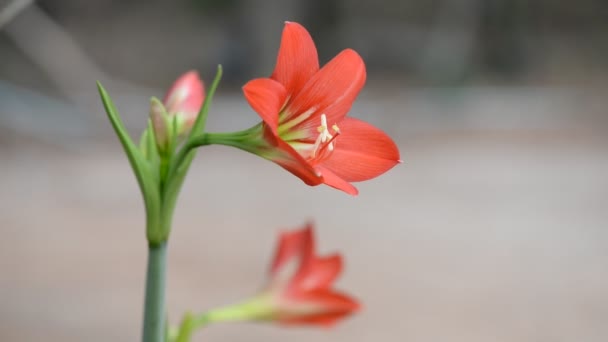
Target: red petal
[(297, 60), (292, 161), (332, 306), (362, 152), (335, 181), (266, 97), (332, 90), (320, 273), (295, 245), (327, 320)]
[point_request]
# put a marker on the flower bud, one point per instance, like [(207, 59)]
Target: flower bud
[(186, 97), (179, 109)]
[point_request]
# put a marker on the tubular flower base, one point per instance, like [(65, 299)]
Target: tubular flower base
[(299, 289), (305, 129)]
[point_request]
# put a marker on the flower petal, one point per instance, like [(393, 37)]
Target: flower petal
[(319, 308), (331, 91), (335, 181), (295, 248), (289, 159), (297, 59), (266, 97), (319, 273), (362, 152)]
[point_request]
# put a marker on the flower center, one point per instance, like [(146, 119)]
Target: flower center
[(325, 141)]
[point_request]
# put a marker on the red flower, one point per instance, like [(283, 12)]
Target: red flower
[(183, 101), (305, 129), (298, 291), (299, 288)]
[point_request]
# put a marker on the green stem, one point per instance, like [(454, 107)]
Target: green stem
[(246, 140), (154, 306), (189, 325), (259, 308)]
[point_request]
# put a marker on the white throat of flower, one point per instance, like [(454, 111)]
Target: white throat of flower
[(325, 139)]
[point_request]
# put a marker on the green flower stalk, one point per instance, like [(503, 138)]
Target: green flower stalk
[(160, 164)]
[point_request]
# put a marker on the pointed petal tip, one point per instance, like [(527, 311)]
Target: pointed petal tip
[(292, 23), (190, 78), (191, 73), (309, 226), (350, 189), (350, 53)]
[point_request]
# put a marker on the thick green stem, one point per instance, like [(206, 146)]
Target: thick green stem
[(246, 140), (154, 306)]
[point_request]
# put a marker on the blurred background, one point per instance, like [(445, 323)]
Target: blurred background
[(493, 229)]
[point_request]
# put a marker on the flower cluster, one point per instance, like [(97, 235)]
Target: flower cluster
[(304, 129)]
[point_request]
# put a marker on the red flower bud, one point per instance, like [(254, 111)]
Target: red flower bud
[(181, 106)]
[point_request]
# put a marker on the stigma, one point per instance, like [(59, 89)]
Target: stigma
[(325, 140)]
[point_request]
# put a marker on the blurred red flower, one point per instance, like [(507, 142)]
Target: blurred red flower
[(299, 289)]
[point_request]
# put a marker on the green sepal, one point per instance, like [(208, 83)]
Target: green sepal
[(201, 119), (144, 172), (163, 145), (179, 165), (152, 156), (147, 146), (143, 143)]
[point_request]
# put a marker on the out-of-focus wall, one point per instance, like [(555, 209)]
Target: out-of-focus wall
[(439, 42)]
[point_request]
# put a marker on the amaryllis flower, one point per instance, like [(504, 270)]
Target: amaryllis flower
[(182, 102), (303, 107), (300, 282), (299, 289)]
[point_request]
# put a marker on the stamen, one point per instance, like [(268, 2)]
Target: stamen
[(329, 144), (325, 139)]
